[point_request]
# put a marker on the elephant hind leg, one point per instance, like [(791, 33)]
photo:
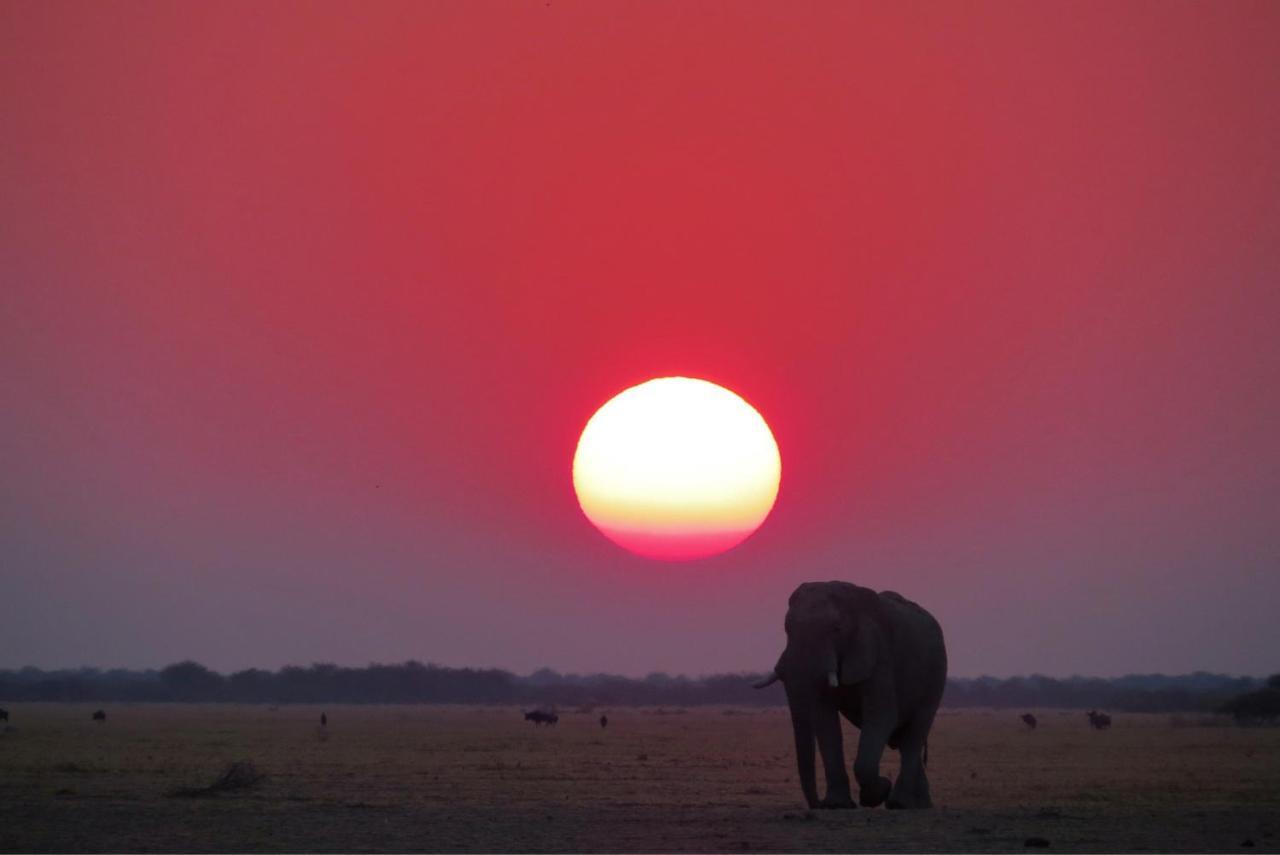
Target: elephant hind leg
[(911, 790)]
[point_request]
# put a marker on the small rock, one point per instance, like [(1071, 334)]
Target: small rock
[(1037, 842)]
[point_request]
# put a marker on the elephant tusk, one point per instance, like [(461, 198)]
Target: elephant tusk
[(768, 681), (832, 680)]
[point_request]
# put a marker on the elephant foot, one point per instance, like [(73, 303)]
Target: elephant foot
[(909, 801), (875, 794)]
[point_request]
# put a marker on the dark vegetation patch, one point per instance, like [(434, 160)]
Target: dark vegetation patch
[(241, 775), (660, 694), (1261, 707)]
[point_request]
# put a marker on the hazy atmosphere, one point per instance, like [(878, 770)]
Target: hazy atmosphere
[(303, 309)]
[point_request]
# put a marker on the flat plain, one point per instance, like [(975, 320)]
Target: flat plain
[(450, 778)]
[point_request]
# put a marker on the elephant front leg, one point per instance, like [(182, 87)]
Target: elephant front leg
[(802, 726), (831, 744), (873, 788)]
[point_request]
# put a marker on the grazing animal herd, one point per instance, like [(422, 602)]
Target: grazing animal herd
[(1097, 720)]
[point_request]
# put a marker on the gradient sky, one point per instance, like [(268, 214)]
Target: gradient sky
[(304, 306)]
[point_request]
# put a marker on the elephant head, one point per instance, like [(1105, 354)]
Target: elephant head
[(834, 636)]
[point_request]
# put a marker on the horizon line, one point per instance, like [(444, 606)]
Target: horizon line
[(602, 674)]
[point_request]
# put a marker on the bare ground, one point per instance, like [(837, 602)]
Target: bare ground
[(398, 778)]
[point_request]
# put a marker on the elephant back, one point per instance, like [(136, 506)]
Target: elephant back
[(895, 598)]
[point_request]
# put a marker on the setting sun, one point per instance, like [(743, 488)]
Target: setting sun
[(677, 468)]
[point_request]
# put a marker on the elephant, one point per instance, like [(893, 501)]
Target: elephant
[(879, 660)]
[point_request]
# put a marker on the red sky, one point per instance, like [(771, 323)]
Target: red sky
[(304, 306)]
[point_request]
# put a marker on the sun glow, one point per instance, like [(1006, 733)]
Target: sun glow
[(677, 468)]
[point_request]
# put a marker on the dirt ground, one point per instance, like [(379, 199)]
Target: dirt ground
[(395, 778)]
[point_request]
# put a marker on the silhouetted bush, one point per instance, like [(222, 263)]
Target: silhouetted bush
[(191, 681), (1258, 707)]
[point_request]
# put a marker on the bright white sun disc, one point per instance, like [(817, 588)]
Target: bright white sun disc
[(677, 468)]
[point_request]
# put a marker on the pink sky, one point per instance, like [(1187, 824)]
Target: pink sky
[(303, 306)]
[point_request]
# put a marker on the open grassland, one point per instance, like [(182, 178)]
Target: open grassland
[(454, 778)]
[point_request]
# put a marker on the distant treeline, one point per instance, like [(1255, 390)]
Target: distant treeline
[(414, 682)]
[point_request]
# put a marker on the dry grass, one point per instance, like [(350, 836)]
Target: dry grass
[(452, 778)]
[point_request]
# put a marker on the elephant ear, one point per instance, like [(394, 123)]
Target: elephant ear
[(860, 654)]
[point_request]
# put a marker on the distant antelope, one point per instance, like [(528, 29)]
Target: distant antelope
[(539, 717), (324, 720), (1029, 720), (99, 715), (1098, 721), (604, 721), (4, 715)]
